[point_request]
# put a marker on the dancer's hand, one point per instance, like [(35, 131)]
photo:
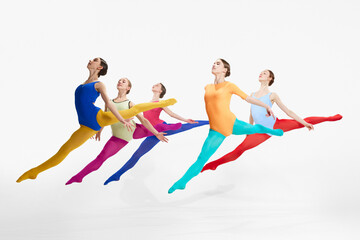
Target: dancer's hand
[(97, 136), (161, 137), (270, 112), (190, 121), (128, 125), (309, 126)]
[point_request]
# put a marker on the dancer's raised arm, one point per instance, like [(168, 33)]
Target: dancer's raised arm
[(237, 91)]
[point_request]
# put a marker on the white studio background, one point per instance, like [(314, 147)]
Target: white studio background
[(304, 184)]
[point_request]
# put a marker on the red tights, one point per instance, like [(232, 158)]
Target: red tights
[(254, 140)]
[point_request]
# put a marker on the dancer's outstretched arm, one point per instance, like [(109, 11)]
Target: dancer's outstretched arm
[(176, 116), (275, 98), (237, 91)]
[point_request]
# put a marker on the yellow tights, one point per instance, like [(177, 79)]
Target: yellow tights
[(84, 133)]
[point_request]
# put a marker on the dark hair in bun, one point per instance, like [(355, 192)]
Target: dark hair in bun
[(271, 74), (227, 66), (163, 90), (103, 71)]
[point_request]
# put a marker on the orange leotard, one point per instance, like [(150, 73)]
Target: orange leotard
[(217, 102)]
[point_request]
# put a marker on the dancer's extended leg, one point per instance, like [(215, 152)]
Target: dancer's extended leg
[(187, 126), (141, 131), (145, 147), (249, 142), (290, 124), (254, 140), (112, 146), (241, 127), (76, 140), (211, 144), (107, 118)]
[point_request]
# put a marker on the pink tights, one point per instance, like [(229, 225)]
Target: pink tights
[(114, 145)]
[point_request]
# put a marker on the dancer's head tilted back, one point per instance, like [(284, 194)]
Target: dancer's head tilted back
[(98, 65), (267, 76), (104, 69), (160, 89), (221, 66), (124, 84)]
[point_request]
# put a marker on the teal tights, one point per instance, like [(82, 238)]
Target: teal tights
[(213, 142)]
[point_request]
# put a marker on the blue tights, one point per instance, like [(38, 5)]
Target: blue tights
[(213, 142), (146, 146)]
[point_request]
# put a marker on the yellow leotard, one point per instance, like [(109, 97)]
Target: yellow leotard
[(217, 102)]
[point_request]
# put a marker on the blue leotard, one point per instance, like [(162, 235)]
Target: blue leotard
[(259, 113), (85, 97)]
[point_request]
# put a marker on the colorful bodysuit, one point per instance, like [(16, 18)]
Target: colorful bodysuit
[(251, 141), (222, 124), (91, 119), (217, 103), (85, 97), (259, 113), (153, 116), (150, 142)]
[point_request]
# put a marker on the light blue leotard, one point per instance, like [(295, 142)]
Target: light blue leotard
[(259, 113)]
